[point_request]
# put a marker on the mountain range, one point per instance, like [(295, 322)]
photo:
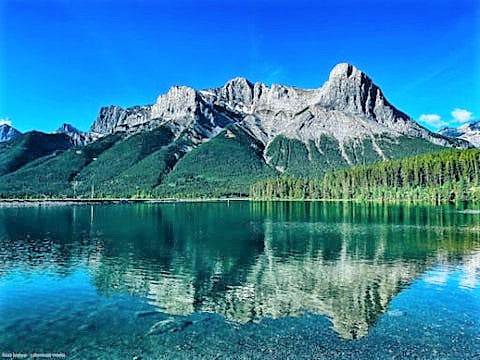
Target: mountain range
[(7, 132), (217, 142), (469, 132)]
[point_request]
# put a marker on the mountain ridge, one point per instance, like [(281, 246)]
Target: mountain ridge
[(7, 132), (76, 136), (218, 141), (469, 132), (348, 97)]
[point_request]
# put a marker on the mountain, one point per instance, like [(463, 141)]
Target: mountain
[(349, 106), (28, 147), (77, 137), (218, 142), (7, 132), (469, 132)]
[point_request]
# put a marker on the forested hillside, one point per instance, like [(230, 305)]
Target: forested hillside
[(452, 175), (30, 146), (225, 166), (218, 142)]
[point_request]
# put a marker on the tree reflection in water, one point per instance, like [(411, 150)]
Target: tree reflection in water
[(245, 261)]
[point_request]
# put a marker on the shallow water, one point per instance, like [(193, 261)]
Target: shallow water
[(241, 280)]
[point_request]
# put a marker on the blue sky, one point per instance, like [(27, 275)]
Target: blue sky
[(61, 60)]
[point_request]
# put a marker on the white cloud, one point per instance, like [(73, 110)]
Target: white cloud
[(461, 115), (5, 121), (433, 120)]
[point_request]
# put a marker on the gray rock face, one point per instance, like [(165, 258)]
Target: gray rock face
[(113, 119), (450, 132), (76, 136), (7, 132), (183, 108), (468, 132), (348, 106), (351, 91)]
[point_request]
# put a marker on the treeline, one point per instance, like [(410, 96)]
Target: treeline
[(287, 188), (452, 175)]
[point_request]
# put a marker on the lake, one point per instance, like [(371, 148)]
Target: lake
[(240, 280)]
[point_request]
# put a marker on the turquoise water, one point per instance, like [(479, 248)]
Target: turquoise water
[(240, 280)]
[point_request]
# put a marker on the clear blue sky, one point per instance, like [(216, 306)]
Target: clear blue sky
[(60, 61)]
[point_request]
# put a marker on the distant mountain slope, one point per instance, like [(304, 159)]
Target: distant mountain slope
[(77, 137), (106, 173), (217, 142), (21, 150), (7, 132), (54, 174), (468, 132)]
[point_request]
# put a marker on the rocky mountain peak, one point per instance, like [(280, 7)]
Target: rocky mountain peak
[(238, 90), (473, 126), (349, 89), (176, 92), (7, 132), (469, 132), (115, 118), (348, 106), (178, 102), (239, 82), (344, 70), (352, 92), (67, 128), (76, 136)]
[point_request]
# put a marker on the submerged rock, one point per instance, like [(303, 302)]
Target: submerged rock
[(169, 325)]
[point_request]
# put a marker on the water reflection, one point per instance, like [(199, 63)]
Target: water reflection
[(247, 260)]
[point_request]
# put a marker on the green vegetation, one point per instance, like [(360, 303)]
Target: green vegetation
[(452, 175), (226, 165), (313, 160), (404, 146), (293, 157), (156, 164), (444, 176), (53, 175), (116, 171), (140, 180), (28, 147), (287, 187), (145, 165)]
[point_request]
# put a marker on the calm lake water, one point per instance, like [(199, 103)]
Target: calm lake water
[(241, 280)]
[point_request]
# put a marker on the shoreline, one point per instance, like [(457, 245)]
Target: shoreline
[(66, 202), (101, 201)]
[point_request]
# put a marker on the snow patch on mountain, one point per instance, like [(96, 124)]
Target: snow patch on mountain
[(468, 132), (7, 132)]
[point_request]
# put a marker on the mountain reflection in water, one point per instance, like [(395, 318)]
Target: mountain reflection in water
[(245, 261)]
